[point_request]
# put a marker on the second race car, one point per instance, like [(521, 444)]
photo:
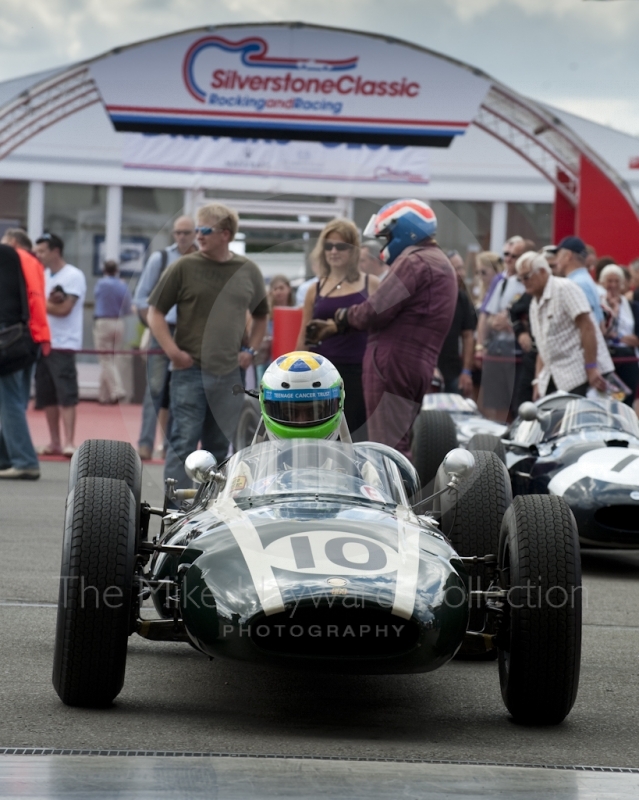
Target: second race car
[(581, 449)]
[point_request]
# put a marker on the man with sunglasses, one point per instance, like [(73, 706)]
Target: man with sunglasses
[(572, 354), (156, 396), (213, 289)]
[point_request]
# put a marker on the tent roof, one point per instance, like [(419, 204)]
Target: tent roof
[(76, 142)]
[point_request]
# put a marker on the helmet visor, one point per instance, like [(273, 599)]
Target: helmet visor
[(302, 408), (369, 230)]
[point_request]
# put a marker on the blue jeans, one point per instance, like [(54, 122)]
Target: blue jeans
[(16, 447), (203, 409), (149, 421), (157, 368)]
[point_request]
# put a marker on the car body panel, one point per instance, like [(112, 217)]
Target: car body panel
[(465, 414), (321, 583), (595, 469)]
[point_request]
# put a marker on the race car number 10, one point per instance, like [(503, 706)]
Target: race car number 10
[(331, 553)]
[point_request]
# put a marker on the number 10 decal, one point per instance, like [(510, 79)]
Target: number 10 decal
[(329, 553)]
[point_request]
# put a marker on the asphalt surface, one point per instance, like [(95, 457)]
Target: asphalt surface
[(176, 699)]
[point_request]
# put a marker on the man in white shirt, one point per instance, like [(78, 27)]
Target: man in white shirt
[(572, 355), (56, 376)]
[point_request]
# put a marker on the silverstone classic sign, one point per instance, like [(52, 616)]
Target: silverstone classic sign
[(289, 81)]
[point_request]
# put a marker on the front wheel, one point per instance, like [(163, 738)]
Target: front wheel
[(540, 640), (96, 590)]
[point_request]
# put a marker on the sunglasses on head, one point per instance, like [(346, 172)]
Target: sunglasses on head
[(339, 246)]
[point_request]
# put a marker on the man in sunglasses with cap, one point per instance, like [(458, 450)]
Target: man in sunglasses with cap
[(213, 289)]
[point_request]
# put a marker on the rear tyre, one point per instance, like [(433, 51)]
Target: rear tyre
[(434, 436), (486, 441), (472, 518), (96, 588), (540, 644)]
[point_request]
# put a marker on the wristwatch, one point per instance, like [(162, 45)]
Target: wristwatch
[(250, 350)]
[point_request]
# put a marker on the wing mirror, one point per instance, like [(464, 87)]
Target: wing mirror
[(528, 411), (200, 466), (459, 463)]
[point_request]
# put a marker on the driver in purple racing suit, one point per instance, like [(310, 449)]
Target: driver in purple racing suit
[(407, 320)]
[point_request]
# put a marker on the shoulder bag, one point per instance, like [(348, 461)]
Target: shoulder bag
[(17, 348)]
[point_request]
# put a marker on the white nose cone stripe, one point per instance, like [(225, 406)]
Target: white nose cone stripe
[(408, 572), (250, 544), (260, 560), (615, 465)]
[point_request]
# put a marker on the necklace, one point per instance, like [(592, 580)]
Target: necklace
[(334, 289)]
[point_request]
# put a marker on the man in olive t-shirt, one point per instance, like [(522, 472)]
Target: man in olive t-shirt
[(213, 289)]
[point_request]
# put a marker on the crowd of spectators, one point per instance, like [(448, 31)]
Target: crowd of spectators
[(501, 328)]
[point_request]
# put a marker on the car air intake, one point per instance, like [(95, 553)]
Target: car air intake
[(334, 633)]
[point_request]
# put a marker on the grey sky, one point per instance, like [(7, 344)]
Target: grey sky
[(580, 55)]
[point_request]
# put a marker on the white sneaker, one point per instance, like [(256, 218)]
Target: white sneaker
[(13, 473)]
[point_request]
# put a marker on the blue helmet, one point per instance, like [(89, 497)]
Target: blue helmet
[(403, 223)]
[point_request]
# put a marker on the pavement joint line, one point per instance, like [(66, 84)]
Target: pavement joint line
[(609, 625), (60, 751)]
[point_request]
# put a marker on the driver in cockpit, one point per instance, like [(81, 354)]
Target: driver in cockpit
[(302, 397)]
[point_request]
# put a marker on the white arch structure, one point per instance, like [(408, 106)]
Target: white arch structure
[(520, 123)]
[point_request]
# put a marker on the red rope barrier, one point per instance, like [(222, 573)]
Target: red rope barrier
[(119, 352)]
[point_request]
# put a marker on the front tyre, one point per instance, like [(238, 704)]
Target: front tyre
[(96, 587), (540, 643)]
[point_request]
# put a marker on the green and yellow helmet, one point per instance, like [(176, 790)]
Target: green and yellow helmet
[(302, 396)]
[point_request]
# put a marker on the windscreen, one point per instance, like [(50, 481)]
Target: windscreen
[(313, 468), (562, 415), (604, 414)]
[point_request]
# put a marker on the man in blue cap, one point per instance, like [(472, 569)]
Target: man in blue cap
[(571, 264)]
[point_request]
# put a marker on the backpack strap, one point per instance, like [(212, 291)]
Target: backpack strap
[(164, 262)]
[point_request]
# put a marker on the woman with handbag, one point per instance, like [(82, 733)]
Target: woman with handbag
[(341, 284), (621, 327)]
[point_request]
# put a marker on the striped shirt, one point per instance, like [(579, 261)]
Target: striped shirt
[(552, 321)]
